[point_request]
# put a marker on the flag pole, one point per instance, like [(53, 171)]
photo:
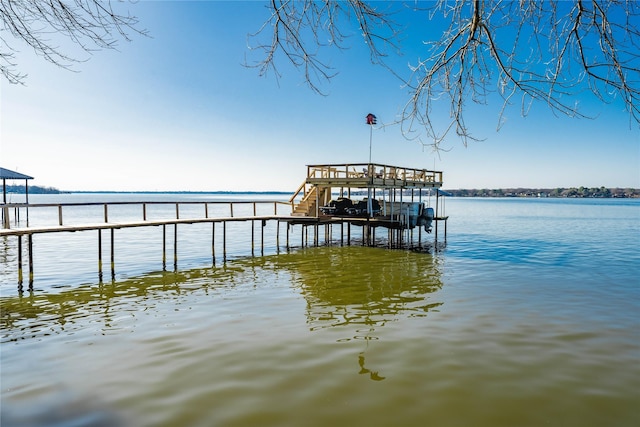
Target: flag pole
[(370, 169), (370, 142), (371, 120)]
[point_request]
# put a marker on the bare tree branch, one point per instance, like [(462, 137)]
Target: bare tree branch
[(302, 30), (89, 24), (535, 51), (525, 51)]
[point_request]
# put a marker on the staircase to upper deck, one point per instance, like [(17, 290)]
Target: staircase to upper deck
[(312, 196)]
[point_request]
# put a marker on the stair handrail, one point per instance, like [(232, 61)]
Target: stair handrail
[(295, 194)]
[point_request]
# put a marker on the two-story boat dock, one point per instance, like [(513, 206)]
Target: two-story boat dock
[(405, 202)]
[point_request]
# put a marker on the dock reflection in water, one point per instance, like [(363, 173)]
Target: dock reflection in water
[(322, 336), (345, 290), (234, 345)]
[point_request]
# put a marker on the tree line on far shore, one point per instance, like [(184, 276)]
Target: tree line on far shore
[(33, 189), (571, 192), (574, 192)]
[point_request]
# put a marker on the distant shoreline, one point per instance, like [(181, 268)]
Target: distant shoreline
[(567, 192), (560, 192)]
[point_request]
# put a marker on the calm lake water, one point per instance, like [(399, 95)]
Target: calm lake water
[(530, 316)]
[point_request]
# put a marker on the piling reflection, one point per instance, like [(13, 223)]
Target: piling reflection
[(359, 290), (33, 314), (364, 286)]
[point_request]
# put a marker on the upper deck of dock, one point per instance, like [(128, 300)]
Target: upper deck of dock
[(371, 175)]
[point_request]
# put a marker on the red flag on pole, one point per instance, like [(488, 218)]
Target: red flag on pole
[(371, 119)]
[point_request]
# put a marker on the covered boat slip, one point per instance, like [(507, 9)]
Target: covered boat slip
[(390, 196), (6, 174)]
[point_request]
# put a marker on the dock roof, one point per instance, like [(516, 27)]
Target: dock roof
[(6, 174), (9, 174)]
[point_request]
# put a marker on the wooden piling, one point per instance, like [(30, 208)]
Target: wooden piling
[(6, 223), (316, 237), (20, 261), (30, 254), (213, 242), (113, 256), (288, 227), (100, 255), (175, 244), (164, 247), (252, 238), (224, 240)]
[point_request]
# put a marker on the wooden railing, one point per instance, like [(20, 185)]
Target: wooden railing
[(375, 170), (251, 209)]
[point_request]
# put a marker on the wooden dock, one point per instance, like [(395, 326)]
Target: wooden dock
[(303, 210)]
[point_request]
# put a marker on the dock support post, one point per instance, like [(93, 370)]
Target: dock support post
[(224, 239), (20, 262), (213, 241), (264, 223), (100, 255), (113, 263), (316, 236), (341, 233), (164, 247), (252, 238), (288, 226), (277, 234), (30, 254), (436, 227), (445, 231), (435, 236), (175, 245), (6, 223), (365, 235), (327, 234)]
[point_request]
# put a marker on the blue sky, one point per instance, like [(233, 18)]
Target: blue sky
[(179, 111)]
